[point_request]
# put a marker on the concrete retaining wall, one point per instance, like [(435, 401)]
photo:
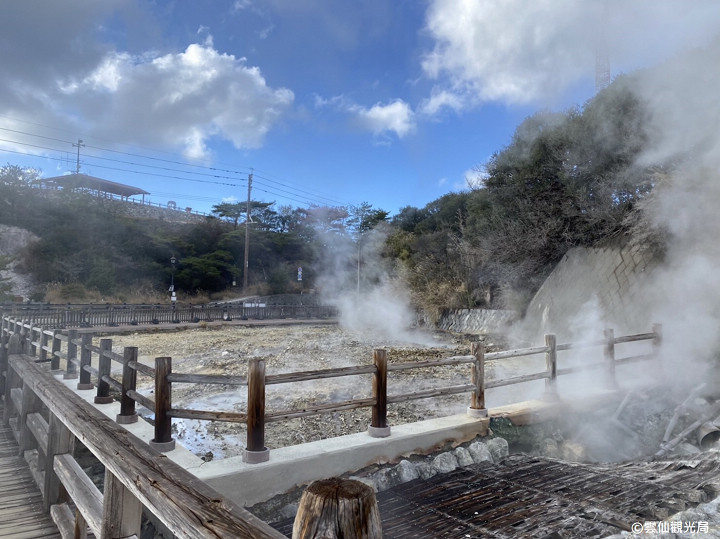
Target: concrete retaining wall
[(477, 321), (592, 287)]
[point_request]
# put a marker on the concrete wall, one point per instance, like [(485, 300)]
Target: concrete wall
[(595, 287), (477, 321)]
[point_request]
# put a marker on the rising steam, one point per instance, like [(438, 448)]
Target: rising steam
[(360, 283)]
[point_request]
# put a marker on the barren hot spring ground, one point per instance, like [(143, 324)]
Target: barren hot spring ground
[(292, 348)]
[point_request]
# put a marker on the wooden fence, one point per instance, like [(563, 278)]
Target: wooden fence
[(91, 315), (46, 345), (48, 419)]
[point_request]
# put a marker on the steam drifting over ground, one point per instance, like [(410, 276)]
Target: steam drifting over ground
[(360, 283), (683, 293)]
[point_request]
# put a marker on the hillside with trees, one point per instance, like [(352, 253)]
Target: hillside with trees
[(565, 179), (94, 248)]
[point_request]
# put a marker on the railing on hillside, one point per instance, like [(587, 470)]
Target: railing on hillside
[(48, 420), (46, 345), (91, 315), (169, 206)]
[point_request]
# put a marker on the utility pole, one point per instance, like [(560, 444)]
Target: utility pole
[(78, 146), (247, 236)]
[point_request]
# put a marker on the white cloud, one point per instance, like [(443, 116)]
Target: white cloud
[(108, 74), (181, 100), (520, 52), (396, 117), (442, 99), (174, 100), (475, 178), (241, 4), (381, 119)]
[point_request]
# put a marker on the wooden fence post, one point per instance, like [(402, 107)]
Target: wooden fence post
[(29, 405), (55, 353), (12, 380), (85, 359), (19, 330), (338, 507), (3, 354), (255, 450), (657, 340), (70, 367), (656, 344), (60, 441), (551, 366), (105, 363), (32, 347), (43, 344), (378, 427), (129, 379), (477, 404), (26, 334), (163, 440), (609, 352), (122, 511)]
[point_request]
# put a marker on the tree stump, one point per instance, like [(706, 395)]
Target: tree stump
[(338, 509)]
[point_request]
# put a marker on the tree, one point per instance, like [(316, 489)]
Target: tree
[(17, 176), (261, 214), (364, 217), (230, 211)]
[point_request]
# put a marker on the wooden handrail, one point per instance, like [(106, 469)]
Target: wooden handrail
[(185, 505)]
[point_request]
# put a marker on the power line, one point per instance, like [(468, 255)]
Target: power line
[(272, 187)]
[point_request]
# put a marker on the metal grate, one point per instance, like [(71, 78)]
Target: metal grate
[(526, 496)]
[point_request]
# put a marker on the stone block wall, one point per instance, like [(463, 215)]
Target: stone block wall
[(477, 321), (605, 286)]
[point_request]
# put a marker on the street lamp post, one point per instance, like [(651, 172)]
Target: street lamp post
[(173, 297)]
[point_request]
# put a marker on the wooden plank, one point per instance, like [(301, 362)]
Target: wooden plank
[(434, 392), (185, 504), (444, 362), (64, 518), (21, 505), (318, 409), (81, 489), (319, 374), (39, 427), (218, 379), (230, 417)]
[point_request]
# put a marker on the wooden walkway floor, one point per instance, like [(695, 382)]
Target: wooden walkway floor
[(21, 511), (536, 497)]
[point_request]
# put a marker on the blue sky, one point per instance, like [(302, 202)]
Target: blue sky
[(332, 102)]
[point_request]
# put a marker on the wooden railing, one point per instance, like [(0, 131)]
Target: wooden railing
[(46, 345), (49, 420), (91, 315)]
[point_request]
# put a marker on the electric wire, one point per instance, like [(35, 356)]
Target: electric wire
[(287, 191)]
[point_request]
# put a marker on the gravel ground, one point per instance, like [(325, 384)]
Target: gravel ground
[(226, 349), (290, 348)]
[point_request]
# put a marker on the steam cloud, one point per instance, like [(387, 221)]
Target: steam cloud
[(371, 301), (683, 293)]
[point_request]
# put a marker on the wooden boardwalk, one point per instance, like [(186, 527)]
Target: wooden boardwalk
[(21, 510), (537, 497)]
